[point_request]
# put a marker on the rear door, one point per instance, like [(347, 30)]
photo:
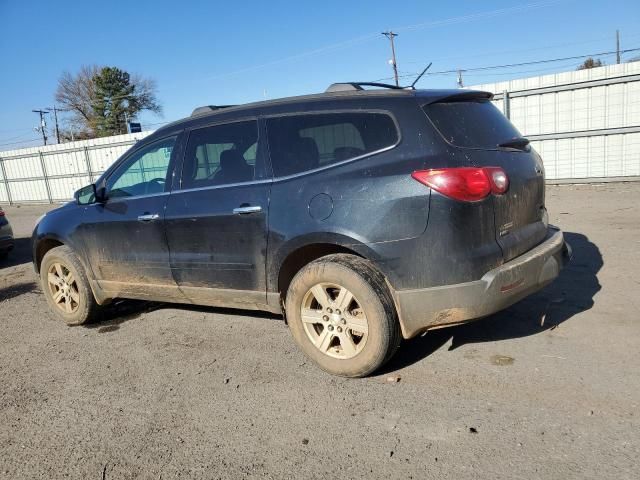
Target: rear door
[(216, 218), (478, 127)]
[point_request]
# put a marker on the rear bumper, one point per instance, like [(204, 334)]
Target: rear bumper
[(429, 308)]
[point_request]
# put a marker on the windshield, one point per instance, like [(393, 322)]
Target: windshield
[(472, 124)]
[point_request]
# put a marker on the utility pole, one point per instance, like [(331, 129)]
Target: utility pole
[(55, 116), (390, 35), (618, 47), (459, 80), (43, 123)]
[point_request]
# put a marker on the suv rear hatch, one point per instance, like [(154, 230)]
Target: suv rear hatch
[(468, 121)]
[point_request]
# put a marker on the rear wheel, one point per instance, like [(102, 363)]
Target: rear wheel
[(342, 316), (66, 287)]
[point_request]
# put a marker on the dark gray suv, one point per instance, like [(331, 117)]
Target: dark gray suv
[(364, 216)]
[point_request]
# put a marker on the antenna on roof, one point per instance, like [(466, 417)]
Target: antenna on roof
[(413, 85)]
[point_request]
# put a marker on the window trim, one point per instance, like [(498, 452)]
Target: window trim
[(125, 158), (217, 123), (341, 162)]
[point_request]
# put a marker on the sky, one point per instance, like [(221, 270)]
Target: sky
[(209, 52)]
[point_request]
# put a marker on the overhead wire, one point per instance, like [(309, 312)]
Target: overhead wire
[(455, 71)]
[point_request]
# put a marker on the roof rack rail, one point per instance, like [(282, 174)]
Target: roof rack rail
[(208, 109), (354, 86)]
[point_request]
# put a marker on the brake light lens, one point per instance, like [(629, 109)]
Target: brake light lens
[(468, 184), (1, 212), (498, 178)]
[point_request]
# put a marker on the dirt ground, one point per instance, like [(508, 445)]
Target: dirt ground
[(549, 388)]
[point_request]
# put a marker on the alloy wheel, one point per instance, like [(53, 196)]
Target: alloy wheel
[(63, 288), (334, 320)]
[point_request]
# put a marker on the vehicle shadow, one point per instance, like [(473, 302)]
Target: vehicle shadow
[(571, 293), (115, 314), (20, 254), (12, 291)]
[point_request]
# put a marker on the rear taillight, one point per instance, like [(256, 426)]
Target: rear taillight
[(468, 184), (498, 178), (1, 212)]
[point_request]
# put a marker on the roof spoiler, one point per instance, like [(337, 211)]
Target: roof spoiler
[(355, 86), (208, 109), (464, 95)]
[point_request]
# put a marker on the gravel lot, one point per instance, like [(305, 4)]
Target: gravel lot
[(549, 388)]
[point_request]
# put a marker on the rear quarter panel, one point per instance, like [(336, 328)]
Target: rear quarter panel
[(359, 203)]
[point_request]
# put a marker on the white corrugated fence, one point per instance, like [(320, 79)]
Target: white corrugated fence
[(52, 173), (585, 124)]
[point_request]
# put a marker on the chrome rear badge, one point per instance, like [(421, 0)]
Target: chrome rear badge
[(504, 229)]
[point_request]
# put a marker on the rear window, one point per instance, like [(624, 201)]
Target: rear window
[(475, 124), (298, 143)]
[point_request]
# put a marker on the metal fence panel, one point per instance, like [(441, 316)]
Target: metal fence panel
[(23, 167), (585, 124), (29, 191), (4, 198), (54, 172)]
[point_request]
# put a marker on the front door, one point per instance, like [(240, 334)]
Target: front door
[(216, 220), (124, 237)]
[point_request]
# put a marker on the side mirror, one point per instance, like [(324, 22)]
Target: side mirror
[(88, 195)]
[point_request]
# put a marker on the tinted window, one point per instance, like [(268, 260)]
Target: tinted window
[(144, 173), (477, 124), (299, 143), (221, 154)]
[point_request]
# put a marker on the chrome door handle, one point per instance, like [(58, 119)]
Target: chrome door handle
[(245, 210), (147, 217)]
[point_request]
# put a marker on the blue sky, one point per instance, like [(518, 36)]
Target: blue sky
[(211, 52)]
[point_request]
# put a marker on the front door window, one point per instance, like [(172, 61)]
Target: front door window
[(145, 173)]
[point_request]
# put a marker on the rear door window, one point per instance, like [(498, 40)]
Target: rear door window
[(298, 143), (222, 155), (472, 124)]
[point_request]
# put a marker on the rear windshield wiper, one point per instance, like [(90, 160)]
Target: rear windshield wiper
[(517, 142)]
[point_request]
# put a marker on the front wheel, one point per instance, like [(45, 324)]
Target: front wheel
[(341, 315), (66, 287)]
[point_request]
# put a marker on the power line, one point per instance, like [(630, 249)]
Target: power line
[(510, 65), (520, 64), (600, 39)]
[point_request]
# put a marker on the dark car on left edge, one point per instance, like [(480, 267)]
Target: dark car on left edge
[(6, 235)]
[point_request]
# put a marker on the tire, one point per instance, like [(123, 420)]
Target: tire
[(71, 300), (364, 334)]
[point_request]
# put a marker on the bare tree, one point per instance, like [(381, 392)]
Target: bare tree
[(83, 96), (76, 94), (590, 63)]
